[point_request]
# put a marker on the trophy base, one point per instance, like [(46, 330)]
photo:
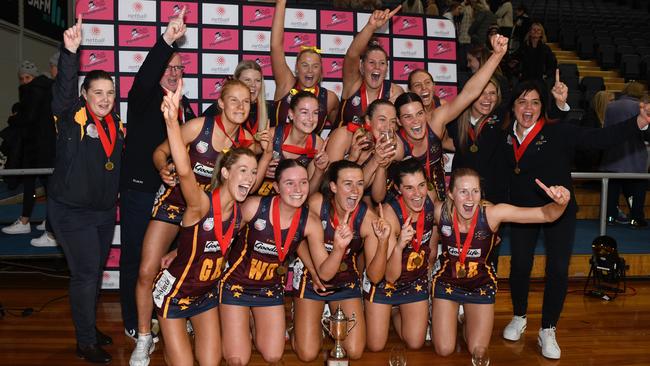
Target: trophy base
[(337, 362)]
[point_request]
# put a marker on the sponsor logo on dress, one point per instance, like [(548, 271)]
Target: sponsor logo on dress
[(208, 224), (211, 246), (260, 224), (202, 147), (163, 287), (265, 248), (203, 170), (471, 253), (446, 230)]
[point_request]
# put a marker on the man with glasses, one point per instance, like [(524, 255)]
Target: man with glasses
[(140, 180)]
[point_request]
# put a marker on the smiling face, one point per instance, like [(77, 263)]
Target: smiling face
[(422, 84), (348, 188), (466, 195), (413, 120), (308, 69), (100, 96), (383, 122), (254, 80), (374, 68), (240, 177), (527, 108), (235, 103), (172, 74), (413, 188), (305, 114), (486, 102), (293, 186)]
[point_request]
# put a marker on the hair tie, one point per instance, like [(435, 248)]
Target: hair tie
[(310, 48)]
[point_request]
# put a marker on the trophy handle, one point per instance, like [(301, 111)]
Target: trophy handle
[(353, 320), (326, 325)]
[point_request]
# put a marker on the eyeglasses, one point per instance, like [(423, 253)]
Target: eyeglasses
[(178, 68)]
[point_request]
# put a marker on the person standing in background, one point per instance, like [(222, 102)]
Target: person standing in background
[(504, 18)]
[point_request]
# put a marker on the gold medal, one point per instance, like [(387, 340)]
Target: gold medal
[(109, 166), (281, 270), (343, 267), (256, 136), (461, 273), (430, 186), (417, 261), (517, 170), (473, 148)]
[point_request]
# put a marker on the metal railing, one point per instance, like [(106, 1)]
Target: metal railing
[(604, 178)]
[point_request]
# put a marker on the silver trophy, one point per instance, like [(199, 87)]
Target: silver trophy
[(337, 327)]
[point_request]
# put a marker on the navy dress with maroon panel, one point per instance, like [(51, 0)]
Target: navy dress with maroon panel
[(477, 283), (306, 154), (353, 109), (346, 284), (281, 107), (190, 285), (255, 276), (413, 283), (431, 161)]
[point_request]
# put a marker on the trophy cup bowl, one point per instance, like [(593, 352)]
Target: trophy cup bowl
[(337, 327)]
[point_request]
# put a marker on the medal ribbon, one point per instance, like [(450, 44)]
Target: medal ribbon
[(519, 150), (335, 220), (108, 142), (474, 135), (308, 150), (224, 241), (462, 253), (240, 141), (364, 95), (419, 226), (283, 249)]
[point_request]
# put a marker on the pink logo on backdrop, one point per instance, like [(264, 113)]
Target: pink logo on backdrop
[(384, 42), (113, 260), (409, 45), (338, 41), (412, 26), (126, 82), (191, 63), (300, 15), (96, 31), (95, 59), (293, 41), (336, 20), (445, 92), (138, 58), (221, 10), (220, 39), (402, 69), (95, 9), (258, 16), (442, 50), (442, 25), (137, 6), (264, 61), (171, 9), (333, 67), (338, 88), (137, 36), (212, 88)]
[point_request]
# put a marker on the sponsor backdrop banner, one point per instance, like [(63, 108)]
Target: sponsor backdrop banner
[(118, 35)]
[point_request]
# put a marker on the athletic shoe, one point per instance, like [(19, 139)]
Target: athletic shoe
[(144, 346), (43, 241), (461, 314), (546, 341), (17, 228), (515, 328), (41, 226), (155, 330)]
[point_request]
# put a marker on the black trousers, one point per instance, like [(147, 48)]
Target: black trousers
[(634, 188), (558, 242), (85, 236), (135, 212)]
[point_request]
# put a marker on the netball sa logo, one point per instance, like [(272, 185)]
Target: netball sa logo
[(220, 14)]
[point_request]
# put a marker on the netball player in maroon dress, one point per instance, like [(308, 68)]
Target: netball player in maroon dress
[(275, 228), (188, 287), (468, 229), (308, 70), (343, 214), (206, 137)]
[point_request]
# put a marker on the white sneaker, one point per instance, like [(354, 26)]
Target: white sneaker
[(41, 226), (44, 240), (144, 346), (515, 328), (546, 341), (461, 314), (17, 228)]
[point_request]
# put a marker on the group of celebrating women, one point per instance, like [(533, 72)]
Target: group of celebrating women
[(252, 192)]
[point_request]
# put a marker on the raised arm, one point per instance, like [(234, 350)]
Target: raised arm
[(284, 79), (351, 73), (197, 201), (189, 132), (473, 88), (64, 89), (528, 215), (147, 79)]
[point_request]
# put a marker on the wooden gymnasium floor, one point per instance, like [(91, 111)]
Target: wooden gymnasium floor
[(591, 331)]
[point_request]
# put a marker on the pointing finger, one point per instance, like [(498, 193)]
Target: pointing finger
[(381, 210), (395, 11), (181, 15), (542, 185), (557, 76)]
